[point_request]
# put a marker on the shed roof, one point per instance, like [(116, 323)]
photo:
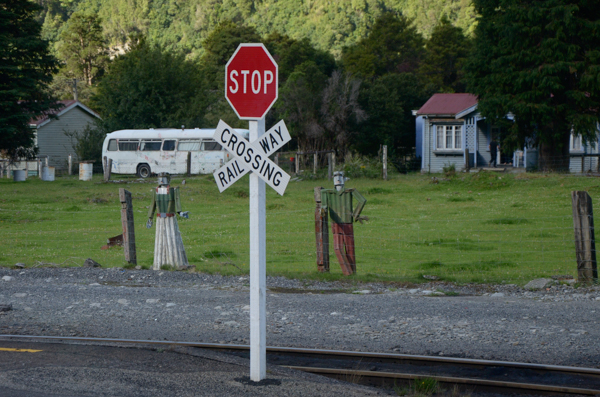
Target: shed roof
[(67, 105), (447, 104)]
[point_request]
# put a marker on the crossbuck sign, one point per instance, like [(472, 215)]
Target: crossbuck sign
[(252, 156)]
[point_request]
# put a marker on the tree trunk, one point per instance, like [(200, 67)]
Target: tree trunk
[(554, 154)]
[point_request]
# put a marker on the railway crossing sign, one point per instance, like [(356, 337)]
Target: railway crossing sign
[(251, 81), (252, 156)]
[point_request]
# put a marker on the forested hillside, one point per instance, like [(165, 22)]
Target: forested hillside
[(184, 25)]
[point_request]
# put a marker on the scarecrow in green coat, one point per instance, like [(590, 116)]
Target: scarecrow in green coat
[(340, 203), (168, 245)]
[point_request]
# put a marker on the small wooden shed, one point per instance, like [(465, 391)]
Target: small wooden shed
[(50, 135)]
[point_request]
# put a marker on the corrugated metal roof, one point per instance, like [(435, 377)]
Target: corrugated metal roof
[(447, 104), (67, 105)]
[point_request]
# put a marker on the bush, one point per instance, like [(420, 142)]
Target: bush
[(88, 143), (356, 166)]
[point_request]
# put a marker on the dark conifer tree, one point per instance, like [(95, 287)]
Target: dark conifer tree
[(26, 69), (539, 60)]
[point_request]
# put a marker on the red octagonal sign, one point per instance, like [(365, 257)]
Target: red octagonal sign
[(251, 81)]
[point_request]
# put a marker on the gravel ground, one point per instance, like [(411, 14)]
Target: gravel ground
[(554, 326)]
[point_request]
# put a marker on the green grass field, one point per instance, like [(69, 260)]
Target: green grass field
[(483, 228)]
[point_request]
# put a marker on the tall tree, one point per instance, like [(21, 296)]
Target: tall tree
[(83, 48), (341, 110), (149, 88), (392, 46), (218, 48), (539, 60), (26, 69), (446, 52)]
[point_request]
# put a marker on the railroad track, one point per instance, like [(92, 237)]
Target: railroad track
[(390, 370)]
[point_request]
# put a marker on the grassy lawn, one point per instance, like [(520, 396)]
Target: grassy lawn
[(486, 227)]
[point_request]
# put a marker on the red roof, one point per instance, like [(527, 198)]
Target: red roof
[(67, 105), (447, 104)]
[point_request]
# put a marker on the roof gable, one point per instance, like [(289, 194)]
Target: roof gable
[(447, 104), (67, 106)]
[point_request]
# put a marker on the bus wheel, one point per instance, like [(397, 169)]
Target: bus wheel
[(143, 171)]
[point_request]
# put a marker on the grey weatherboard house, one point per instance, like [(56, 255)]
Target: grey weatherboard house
[(450, 130), (50, 136)]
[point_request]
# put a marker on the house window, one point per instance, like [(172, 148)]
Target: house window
[(576, 142), (449, 137)]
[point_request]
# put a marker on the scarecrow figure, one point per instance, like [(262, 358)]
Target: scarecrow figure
[(339, 202), (168, 245)]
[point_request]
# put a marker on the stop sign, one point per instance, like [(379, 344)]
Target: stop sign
[(251, 81)]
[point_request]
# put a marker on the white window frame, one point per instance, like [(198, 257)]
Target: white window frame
[(576, 143), (452, 131)]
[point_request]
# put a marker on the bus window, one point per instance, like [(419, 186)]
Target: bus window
[(126, 145), (150, 145), (169, 145), (189, 145), (210, 145), (112, 145)]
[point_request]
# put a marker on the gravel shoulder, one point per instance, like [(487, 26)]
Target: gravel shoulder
[(557, 325)]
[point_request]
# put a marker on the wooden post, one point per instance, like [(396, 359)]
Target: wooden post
[(39, 168), (277, 159), (70, 161), (385, 162), (332, 163), (467, 165), (189, 164), (107, 170), (315, 161), (585, 244), (297, 163), (322, 234), (128, 226)]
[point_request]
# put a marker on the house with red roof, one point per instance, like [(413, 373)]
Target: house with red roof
[(50, 135), (450, 130)]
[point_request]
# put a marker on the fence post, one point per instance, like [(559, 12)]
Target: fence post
[(128, 228), (107, 170), (315, 160), (189, 163), (332, 163), (467, 161), (322, 234), (585, 244), (277, 159), (70, 161), (297, 163), (385, 162), (39, 168)]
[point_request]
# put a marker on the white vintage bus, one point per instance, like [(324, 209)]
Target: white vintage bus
[(147, 152)]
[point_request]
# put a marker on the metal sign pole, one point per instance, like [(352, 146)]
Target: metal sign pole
[(258, 264)]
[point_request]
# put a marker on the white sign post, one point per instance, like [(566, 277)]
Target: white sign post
[(251, 88), (254, 156)]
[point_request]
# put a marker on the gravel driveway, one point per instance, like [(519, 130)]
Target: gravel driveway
[(558, 325)]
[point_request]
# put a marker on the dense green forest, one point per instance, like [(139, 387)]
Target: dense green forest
[(184, 25)]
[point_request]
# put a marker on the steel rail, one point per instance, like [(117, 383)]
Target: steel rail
[(381, 357), (449, 379)]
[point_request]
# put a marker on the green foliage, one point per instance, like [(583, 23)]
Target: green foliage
[(149, 88), (83, 48), (26, 69), (446, 51), (389, 101), (392, 46), (539, 60), (218, 48), (449, 169), (88, 142), (356, 166)]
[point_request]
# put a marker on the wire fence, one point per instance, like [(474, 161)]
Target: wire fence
[(499, 249)]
